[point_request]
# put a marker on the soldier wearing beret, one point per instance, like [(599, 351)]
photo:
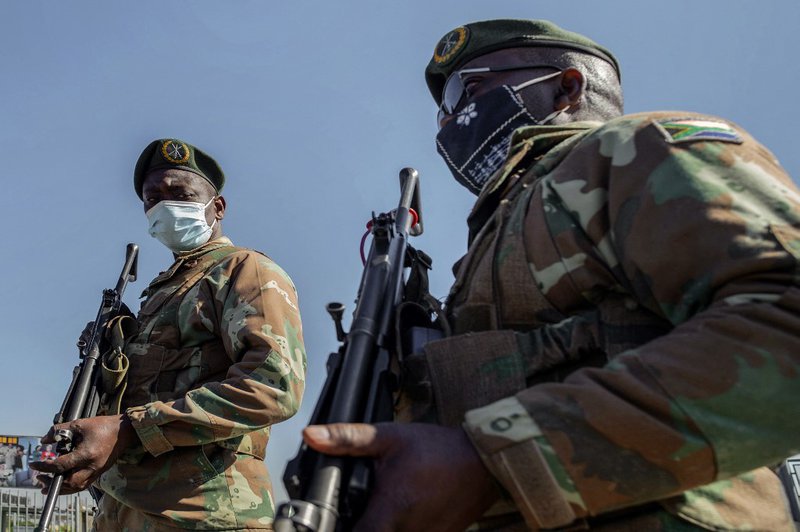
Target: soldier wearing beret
[(215, 358), (625, 321)]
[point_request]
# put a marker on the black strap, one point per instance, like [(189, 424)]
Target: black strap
[(417, 287)]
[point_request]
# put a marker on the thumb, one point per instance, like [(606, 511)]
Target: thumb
[(345, 439)]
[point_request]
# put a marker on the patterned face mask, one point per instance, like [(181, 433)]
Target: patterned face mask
[(180, 225), (474, 144)]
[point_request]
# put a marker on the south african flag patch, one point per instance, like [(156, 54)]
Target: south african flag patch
[(690, 130)]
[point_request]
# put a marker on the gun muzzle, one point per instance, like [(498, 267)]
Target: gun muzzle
[(336, 310)]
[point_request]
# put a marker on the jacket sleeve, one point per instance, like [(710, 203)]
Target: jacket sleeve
[(251, 304), (706, 234)]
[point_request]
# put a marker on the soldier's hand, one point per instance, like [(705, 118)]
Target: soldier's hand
[(96, 444), (426, 475)]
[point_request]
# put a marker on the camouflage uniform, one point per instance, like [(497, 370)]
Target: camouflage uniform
[(217, 359), (626, 328)]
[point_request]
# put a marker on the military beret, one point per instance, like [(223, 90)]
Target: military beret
[(478, 38), (174, 153)]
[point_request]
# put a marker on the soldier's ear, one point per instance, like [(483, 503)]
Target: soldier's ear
[(571, 83), (219, 207)]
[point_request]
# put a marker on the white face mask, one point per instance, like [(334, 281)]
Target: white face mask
[(180, 225)]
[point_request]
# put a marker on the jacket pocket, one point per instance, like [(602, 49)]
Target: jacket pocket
[(145, 362)]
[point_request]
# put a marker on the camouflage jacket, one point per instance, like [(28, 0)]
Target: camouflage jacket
[(217, 359), (626, 325)]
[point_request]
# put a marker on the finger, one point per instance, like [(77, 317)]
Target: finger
[(59, 465), (79, 480), (46, 483), (50, 437), (35, 465), (350, 439), (44, 467), (43, 483)]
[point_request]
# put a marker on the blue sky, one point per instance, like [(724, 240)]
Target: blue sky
[(311, 108)]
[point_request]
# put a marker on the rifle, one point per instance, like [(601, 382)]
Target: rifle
[(83, 395), (329, 493)]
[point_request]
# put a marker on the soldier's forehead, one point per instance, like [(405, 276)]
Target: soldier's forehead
[(175, 176)]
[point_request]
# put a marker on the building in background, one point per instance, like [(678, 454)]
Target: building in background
[(21, 500)]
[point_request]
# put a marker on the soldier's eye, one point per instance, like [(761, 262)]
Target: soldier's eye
[(471, 83)]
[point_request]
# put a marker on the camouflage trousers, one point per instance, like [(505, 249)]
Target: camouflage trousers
[(113, 516)]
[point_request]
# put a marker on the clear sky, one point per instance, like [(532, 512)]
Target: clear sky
[(311, 108)]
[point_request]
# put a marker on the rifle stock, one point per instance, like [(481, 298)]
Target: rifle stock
[(329, 493), (83, 397)]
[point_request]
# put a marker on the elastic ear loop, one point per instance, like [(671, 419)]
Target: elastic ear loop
[(535, 80), (551, 116), (204, 210)]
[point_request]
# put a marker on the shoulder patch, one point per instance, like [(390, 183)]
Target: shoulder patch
[(449, 45), (690, 130)]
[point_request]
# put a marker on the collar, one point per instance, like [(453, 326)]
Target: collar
[(188, 259), (536, 149), (211, 245)]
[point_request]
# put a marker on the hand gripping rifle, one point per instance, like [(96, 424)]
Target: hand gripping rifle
[(83, 396), (329, 493)]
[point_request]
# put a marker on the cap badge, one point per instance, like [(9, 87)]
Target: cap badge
[(175, 151), (450, 45)]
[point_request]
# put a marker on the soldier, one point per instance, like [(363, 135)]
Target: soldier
[(215, 359), (625, 322)]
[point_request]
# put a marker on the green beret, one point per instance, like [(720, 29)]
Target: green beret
[(174, 153), (478, 38)]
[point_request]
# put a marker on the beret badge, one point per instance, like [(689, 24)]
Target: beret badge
[(449, 46), (175, 151)]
